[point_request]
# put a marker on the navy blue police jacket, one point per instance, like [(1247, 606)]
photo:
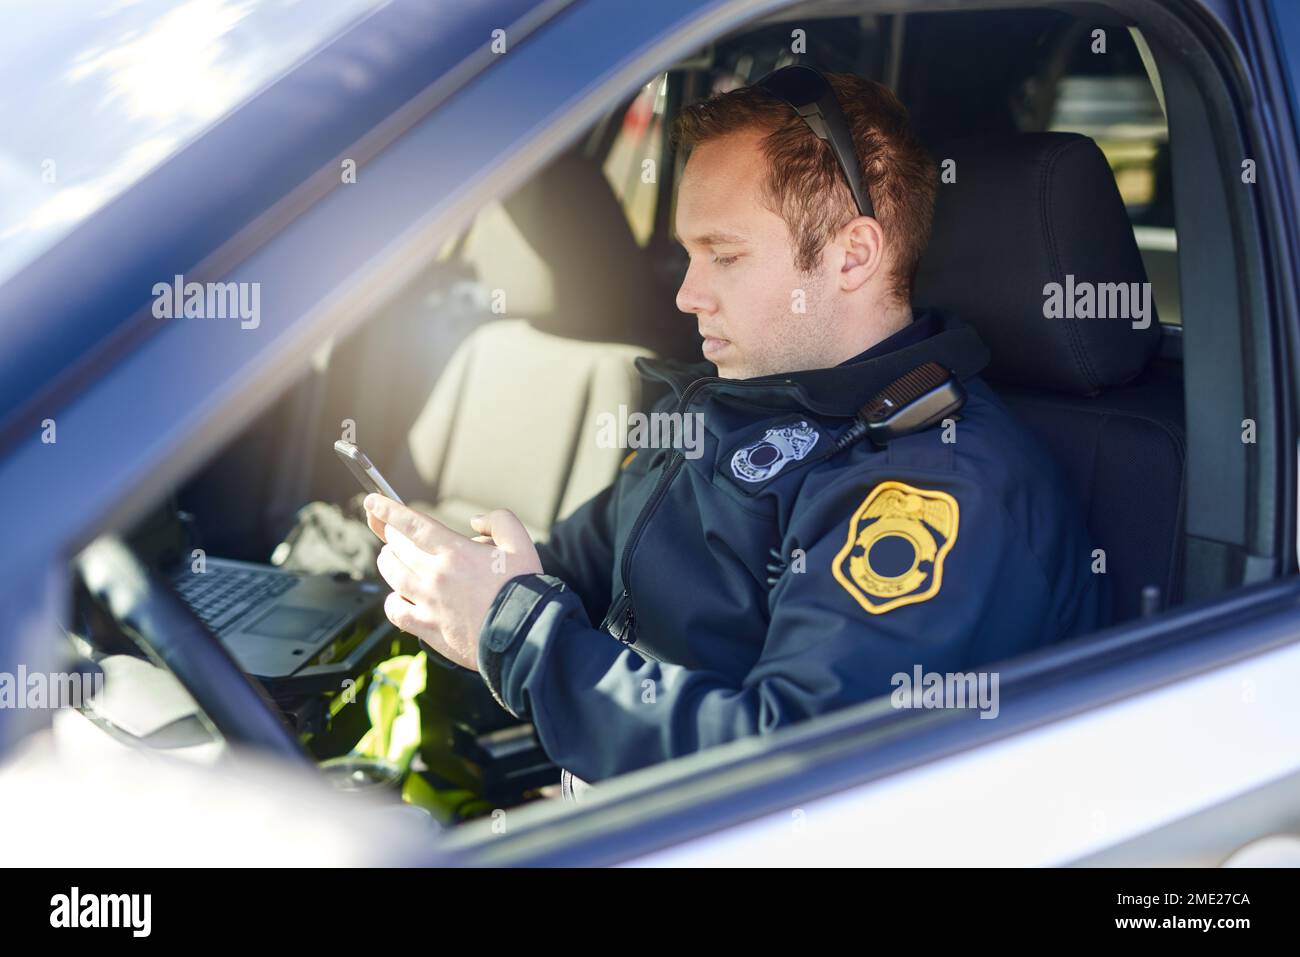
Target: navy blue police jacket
[(775, 571)]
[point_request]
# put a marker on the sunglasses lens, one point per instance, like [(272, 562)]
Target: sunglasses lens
[(797, 85)]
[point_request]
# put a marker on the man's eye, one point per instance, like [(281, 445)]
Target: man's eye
[(724, 260)]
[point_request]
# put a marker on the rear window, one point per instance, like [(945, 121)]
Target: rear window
[(1116, 99)]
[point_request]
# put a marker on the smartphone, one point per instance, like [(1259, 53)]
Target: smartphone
[(364, 470)]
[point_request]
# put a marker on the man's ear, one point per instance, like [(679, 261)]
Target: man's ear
[(863, 243)]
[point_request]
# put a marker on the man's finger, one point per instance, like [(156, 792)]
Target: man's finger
[(411, 555), (505, 529), (404, 616), (427, 532), (398, 574)]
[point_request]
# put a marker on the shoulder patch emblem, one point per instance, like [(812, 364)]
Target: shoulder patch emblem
[(762, 459), (897, 541)]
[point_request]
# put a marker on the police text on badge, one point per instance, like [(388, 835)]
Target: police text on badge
[(764, 458)]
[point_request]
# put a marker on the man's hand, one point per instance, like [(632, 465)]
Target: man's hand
[(444, 583)]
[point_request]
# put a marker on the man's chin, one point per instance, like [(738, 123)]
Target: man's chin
[(729, 367), (722, 353)]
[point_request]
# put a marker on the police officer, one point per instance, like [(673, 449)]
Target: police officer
[(863, 503)]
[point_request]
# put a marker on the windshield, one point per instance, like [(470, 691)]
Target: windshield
[(95, 93)]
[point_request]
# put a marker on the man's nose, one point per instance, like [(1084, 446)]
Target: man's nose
[(692, 297)]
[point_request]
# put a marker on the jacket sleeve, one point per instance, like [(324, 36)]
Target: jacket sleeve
[(602, 709), (580, 552)]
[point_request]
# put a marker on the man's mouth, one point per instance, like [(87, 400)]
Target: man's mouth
[(713, 345)]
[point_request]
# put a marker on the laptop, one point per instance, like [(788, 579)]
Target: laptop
[(274, 622)]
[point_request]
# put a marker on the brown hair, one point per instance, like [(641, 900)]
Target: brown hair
[(804, 185)]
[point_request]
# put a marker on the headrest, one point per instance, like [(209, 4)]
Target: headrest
[(1027, 210), (603, 287)]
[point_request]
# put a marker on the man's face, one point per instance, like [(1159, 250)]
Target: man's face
[(757, 313)]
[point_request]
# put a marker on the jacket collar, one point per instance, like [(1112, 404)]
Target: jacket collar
[(843, 389)]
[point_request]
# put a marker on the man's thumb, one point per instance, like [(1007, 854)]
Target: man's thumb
[(504, 529)]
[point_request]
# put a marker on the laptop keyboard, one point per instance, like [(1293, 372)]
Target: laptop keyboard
[(220, 596)]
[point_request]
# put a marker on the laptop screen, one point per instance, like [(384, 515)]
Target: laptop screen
[(160, 539)]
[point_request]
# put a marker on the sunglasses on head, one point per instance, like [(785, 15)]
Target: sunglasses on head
[(811, 96)]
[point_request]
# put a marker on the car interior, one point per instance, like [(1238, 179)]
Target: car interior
[(477, 386)]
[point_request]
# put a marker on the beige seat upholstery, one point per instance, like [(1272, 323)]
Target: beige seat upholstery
[(513, 423)]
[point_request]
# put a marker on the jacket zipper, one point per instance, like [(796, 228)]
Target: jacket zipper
[(622, 617)]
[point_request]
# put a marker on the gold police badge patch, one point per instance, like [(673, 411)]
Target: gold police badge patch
[(897, 541)]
